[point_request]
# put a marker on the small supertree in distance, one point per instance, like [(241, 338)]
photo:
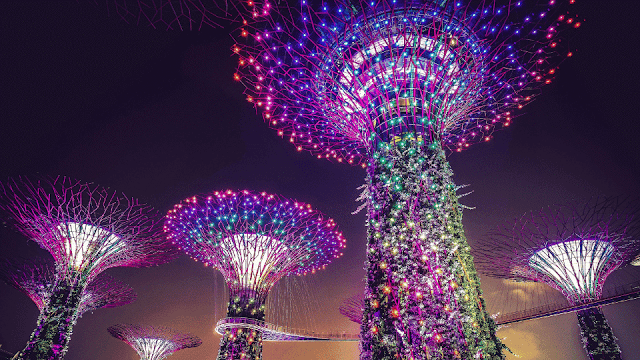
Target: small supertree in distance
[(572, 248), (87, 229), (36, 279), (153, 342), (254, 239), (391, 85), (636, 261), (185, 15)]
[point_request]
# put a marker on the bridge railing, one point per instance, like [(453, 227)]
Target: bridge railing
[(609, 296), (283, 333)]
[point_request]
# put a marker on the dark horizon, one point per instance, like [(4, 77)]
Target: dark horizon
[(157, 116)]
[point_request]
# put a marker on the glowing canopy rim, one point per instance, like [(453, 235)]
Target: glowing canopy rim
[(576, 266)]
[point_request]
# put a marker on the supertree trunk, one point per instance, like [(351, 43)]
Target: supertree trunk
[(243, 343), (597, 337), (50, 339), (423, 299)]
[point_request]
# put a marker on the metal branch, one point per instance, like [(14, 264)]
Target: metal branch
[(153, 342)]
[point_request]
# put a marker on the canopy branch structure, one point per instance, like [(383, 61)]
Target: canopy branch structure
[(184, 15), (36, 279), (572, 248)]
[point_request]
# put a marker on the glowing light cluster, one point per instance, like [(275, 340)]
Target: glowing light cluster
[(636, 261), (153, 342), (254, 239), (339, 77), (252, 256), (149, 346), (80, 241)]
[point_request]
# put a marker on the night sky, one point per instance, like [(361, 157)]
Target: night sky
[(156, 115)]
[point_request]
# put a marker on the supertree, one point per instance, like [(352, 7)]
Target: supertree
[(254, 239), (572, 248), (87, 229), (391, 85), (153, 342), (185, 15), (37, 278)]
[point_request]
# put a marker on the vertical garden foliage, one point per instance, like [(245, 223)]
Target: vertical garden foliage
[(238, 343), (51, 337), (597, 337)]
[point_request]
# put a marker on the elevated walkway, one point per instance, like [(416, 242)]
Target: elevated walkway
[(271, 332), (612, 296)]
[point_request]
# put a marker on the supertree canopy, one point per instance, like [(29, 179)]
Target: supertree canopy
[(153, 342), (572, 248), (185, 15), (36, 279), (254, 239), (86, 229), (352, 308), (636, 261), (390, 85)]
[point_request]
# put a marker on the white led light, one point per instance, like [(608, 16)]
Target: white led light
[(80, 241), (253, 257)]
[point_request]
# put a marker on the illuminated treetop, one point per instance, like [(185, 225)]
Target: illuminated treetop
[(572, 248), (86, 228), (153, 342), (337, 78), (254, 239), (36, 279), (185, 15)]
